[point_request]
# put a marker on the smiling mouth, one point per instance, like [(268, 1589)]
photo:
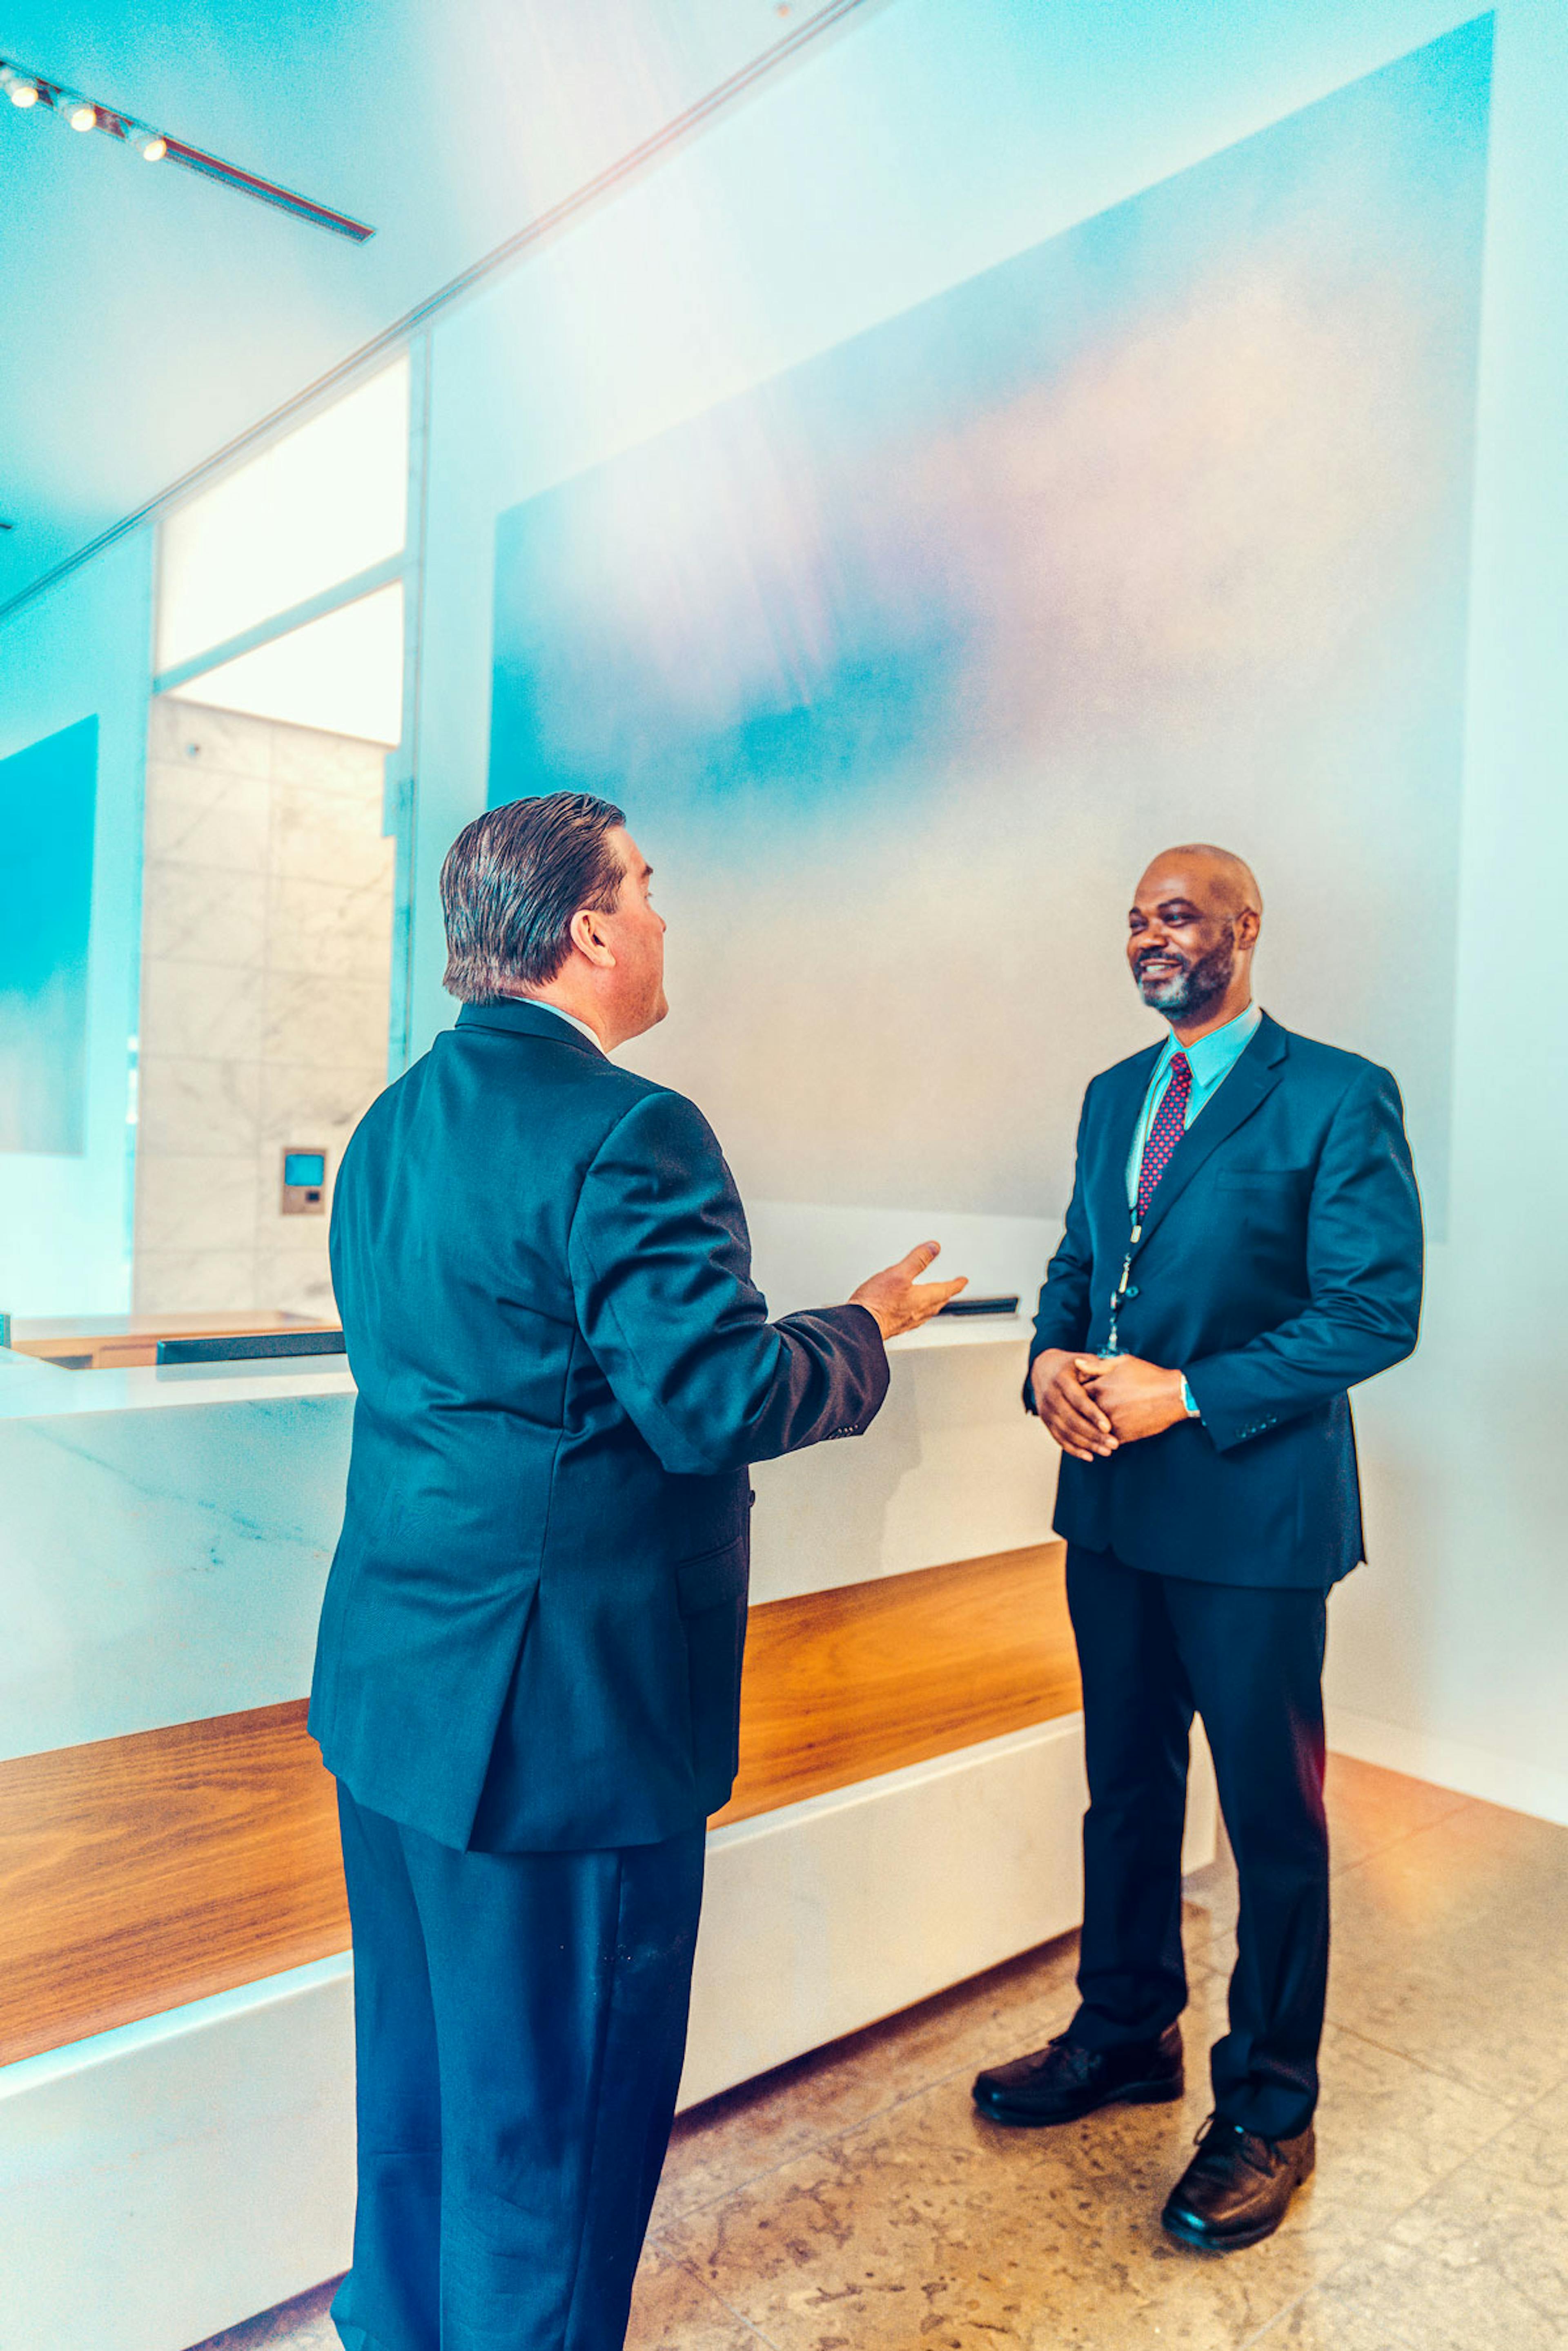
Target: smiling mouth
[(1157, 966)]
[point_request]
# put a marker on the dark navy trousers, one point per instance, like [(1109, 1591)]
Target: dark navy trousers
[(520, 2021), (1154, 1649)]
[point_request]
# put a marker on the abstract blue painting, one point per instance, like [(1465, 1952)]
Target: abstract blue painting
[(49, 797), (906, 661)]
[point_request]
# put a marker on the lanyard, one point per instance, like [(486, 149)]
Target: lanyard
[(1152, 1101), (1112, 1344)]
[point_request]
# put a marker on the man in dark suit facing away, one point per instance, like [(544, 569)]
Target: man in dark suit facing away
[(1243, 1244), (527, 1674)]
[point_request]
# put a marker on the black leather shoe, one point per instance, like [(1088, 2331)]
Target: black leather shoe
[(1062, 2080), (1237, 2187)]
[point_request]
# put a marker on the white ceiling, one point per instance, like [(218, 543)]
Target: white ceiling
[(151, 316)]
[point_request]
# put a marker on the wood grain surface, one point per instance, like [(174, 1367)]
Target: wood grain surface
[(137, 1874), (842, 1685)]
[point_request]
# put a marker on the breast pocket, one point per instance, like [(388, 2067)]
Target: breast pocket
[(1282, 1183), (1264, 1212), (1264, 1196)]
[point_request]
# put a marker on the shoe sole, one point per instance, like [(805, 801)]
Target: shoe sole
[(1135, 2093)]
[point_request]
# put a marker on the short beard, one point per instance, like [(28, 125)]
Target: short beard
[(1191, 995)]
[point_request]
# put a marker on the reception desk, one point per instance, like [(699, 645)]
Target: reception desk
[(176, 2035)]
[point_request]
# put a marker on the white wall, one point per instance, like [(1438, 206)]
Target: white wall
[(933, 139), (86, 647)]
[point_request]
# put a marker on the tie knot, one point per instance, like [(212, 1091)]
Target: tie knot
[(1181, 1071)]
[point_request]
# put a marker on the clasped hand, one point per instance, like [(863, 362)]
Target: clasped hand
[(1093, 1404)]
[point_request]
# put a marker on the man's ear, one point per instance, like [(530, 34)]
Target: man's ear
[(589, 939), (1248, 925)]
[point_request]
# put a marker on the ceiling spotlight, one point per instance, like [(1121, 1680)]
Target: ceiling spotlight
[(24, 88)]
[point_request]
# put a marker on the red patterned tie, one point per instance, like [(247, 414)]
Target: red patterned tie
[(1169, 1126)]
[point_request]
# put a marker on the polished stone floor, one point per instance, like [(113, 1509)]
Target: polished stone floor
[(853, 2201)]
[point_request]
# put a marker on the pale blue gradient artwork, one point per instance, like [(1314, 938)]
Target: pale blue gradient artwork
[(904, 662), (49, 796)]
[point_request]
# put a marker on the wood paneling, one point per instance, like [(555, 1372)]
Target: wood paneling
[(139, 1873), (842, 1685)]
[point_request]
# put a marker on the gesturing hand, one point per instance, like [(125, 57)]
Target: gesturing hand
[(898, 1299), (1140, 1398), (1062, 1401)]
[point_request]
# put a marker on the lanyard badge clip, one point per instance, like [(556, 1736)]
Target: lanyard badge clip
[(1113, 1344)]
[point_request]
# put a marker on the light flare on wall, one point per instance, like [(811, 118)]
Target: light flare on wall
[(30, 91)]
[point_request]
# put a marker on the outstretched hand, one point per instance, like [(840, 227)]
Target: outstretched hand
[(899, 1299)]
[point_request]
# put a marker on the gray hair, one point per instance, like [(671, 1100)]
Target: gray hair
[(511, 883)]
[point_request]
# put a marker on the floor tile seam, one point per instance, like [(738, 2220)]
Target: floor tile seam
[(1553, 2090), (1445, 2178), (1376, 1852), (816, 2145), (1427, 1828), (1283, 2312), (714, 2294), (1394, 2343), (1437, 2072), (820, 2141), (1549, 2312)]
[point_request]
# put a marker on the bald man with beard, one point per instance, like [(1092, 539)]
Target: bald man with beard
[(1243, 1245)]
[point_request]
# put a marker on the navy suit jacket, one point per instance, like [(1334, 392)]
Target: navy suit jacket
[(532, 1632), (1281, 1263)]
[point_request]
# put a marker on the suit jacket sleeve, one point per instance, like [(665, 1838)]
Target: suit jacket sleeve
[(1063, 1316), (1364, 1253), (661, 1272)]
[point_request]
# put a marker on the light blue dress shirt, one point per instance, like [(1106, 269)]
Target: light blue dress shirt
[(1211, 1061)]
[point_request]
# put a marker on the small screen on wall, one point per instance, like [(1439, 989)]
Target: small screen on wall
[(48, 797)]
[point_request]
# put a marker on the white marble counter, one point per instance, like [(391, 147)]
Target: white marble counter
[(34, 1389), (165, 1534), (164, 1537)]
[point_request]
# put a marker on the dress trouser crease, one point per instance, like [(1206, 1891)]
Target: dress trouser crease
[(1154, 1649), (521, 2022)]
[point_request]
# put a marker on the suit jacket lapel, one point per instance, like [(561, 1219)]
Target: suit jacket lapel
[(1255, 1076)]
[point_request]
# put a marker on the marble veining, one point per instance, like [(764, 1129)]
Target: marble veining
[(265, 979)]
